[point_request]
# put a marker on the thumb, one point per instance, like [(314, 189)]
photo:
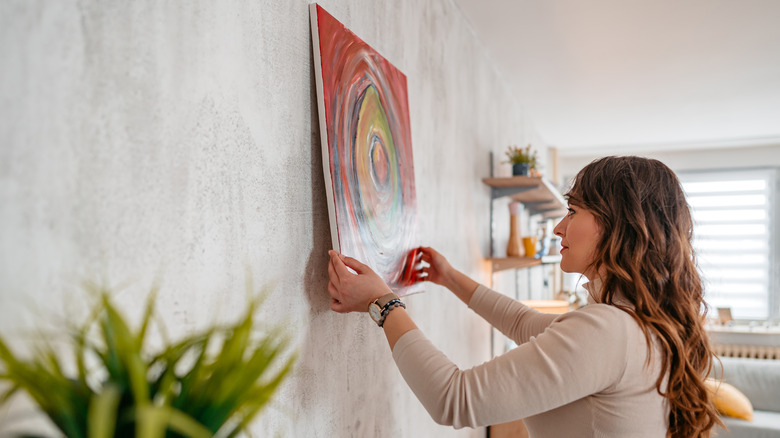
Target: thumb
[(357, 266)]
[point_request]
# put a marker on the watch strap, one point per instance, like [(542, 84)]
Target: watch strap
[(384, 299)]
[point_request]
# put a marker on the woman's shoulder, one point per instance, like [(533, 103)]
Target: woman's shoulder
[(609, 330), (602, 310), (600, 316)]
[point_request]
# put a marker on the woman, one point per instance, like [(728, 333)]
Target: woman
[(631, 363)]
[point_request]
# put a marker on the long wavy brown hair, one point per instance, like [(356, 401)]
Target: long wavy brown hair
[(645, 253)]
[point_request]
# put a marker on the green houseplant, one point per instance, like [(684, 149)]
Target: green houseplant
[(523, 160), (212, 383)]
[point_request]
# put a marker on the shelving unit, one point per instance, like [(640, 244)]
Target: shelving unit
[(538, 196)]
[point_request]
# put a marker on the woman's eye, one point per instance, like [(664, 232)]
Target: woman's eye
[(571, 211)]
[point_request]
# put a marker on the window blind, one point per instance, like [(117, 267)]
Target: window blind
[(733, 238)]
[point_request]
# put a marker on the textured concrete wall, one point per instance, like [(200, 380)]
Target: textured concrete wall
[(179, 141)]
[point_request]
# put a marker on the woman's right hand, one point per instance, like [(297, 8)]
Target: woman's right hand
[(439, 270)]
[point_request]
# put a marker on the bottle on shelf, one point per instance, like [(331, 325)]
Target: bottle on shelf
[(514, 247)]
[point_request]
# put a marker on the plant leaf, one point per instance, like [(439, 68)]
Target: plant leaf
[(102, 412), (153, 421), (128, 353)]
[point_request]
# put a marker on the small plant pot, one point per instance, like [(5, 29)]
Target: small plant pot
[(520, 169)]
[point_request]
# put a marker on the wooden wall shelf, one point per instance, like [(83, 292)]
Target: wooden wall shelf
[(537, 194), (505, 263)]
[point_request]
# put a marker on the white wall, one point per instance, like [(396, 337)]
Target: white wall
[(180, 141)]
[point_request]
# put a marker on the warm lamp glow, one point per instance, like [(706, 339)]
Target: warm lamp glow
[(548, 306)]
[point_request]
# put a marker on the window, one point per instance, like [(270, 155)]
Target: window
[(736, 239)]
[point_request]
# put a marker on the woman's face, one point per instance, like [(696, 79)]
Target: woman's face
[(579, 234)]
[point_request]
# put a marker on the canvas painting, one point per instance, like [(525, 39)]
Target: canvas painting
[(367, 152)]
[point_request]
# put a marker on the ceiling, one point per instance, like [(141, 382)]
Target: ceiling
[(604, 75)]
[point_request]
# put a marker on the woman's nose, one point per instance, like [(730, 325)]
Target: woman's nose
[(558, 230)]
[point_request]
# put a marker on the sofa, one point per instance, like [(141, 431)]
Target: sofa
[(759, 381)]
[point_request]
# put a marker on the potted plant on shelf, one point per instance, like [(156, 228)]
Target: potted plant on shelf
[(523, 160), (211, 383)]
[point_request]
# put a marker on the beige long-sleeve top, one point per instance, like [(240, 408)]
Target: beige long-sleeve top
[(580, 374)]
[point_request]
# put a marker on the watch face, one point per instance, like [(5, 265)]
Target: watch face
[(375, 311)]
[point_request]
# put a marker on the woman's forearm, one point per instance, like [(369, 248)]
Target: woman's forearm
[(396, 324), (461, 285)]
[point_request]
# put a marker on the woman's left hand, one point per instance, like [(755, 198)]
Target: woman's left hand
[(352, 292)]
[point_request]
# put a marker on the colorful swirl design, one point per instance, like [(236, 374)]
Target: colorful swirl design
[(370, 152)]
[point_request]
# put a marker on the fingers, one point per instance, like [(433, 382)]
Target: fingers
[(334, 292), (342, 264), (417, 260), (358, 267), (337, 262), (337, 306), (430, 259), (428, 251), (336, 303), (332, 274), (428, 254)]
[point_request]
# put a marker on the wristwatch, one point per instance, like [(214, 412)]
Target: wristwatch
[(380, 307)]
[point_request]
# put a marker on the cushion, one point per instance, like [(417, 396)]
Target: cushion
[(729, 400)]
